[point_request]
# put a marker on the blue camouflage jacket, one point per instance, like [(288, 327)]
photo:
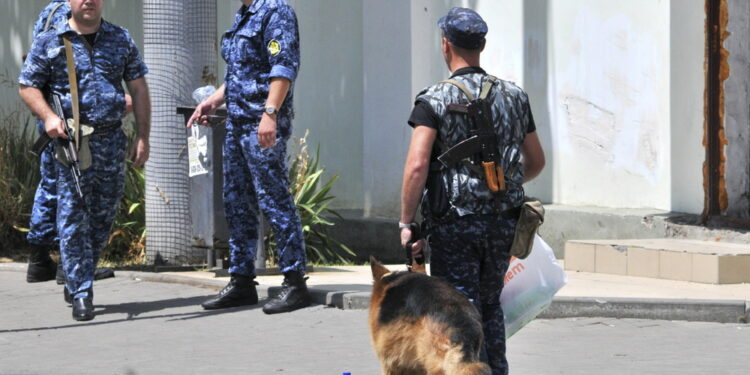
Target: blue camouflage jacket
[(62, 11), (262, 44), (100, 70)]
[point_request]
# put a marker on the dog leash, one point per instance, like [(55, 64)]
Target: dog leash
[(416, 235)]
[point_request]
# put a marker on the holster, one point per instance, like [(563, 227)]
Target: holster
[(84, 152), (529, 220)]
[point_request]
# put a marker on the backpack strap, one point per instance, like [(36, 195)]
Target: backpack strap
[(487, 86), (49, 17), (461, 87)]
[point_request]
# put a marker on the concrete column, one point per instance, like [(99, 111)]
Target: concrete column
[(687, 86), (737, 107)]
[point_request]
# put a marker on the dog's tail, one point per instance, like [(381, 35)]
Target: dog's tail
[(473, 368), (378, 270)]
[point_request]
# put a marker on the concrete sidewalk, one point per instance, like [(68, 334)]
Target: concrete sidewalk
[(585, 295)]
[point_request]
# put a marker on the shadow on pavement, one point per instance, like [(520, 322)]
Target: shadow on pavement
[(137, 308), (133, 309)]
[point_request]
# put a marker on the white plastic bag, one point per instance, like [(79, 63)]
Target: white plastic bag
[(530, 285), (202, 93)]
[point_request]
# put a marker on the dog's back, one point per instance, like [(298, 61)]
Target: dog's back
[(422, 325)]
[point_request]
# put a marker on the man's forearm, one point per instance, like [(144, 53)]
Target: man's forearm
[(277, 91), (217, 98), (411, 193), (416, 170), (142, 110), (34, 99), (141, 106)]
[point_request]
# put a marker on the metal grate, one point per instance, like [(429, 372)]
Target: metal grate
[(180, 51)]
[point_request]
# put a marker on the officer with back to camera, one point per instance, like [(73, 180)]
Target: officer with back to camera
[(472, 202)]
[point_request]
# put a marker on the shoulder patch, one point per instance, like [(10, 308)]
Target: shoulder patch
[(274, 48)]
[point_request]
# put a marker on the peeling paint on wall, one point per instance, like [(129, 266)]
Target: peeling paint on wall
[(723, 75)]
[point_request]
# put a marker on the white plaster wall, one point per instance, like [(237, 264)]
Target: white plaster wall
[(17, 19), (387, 101), (687, 104), (609, 96), (329, 91)]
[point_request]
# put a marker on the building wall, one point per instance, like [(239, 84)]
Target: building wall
[(616, 89), (737, 116), (687, 87)]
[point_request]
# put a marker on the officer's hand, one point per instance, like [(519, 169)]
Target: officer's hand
[(267, 131), (141, 151), (417, 248), (128, 104), (201, 113), (55, 127)]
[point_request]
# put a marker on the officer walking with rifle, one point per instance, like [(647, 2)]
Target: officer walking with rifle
[(82, 63), (42, 236), (470, 133)]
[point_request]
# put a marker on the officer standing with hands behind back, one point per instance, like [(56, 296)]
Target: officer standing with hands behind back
[(262, 54), (472, 201)]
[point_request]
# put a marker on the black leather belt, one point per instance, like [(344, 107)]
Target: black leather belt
[(511, 214)]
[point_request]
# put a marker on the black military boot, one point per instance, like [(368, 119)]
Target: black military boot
[(60, 275), (66, 296), (41, 266), (239, 292), (83, 309), (293, 295)]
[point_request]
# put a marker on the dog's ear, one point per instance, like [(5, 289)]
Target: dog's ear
[(378, 270)]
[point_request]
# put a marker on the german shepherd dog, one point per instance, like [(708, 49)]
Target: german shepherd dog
[(422, 325)]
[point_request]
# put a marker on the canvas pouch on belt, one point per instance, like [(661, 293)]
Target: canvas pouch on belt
[(529, 220), (84, 152)]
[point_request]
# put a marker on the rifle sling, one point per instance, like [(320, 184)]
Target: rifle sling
[(49, 17), (70, 59)]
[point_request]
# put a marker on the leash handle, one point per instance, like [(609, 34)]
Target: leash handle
[(416, 235)]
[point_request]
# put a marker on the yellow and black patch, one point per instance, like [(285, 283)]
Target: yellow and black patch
[(274, 47)]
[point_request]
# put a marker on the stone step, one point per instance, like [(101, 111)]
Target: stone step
[(673, 259)]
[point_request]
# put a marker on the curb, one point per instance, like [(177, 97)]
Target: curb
[(716, 311)]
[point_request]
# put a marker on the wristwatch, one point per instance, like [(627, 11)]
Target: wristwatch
[(271, 110), (411, 225)]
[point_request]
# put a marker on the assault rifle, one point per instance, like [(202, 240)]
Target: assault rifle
[(68, 145)]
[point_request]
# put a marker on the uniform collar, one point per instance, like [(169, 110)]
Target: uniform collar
[(468, 70), (105, 27), (254, 7)]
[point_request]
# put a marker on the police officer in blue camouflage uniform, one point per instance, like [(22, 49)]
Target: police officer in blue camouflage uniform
[(470, 233), (262, 55), (42, 235), (105, 55)]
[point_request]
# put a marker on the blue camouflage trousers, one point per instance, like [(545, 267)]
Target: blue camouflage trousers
[(84, 224), (472, 253), (42, 225), (256, 180)]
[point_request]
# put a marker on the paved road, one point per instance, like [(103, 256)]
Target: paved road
[(154, 328)]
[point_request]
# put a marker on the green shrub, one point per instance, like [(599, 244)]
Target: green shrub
[(19, 176), (312, 201)]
